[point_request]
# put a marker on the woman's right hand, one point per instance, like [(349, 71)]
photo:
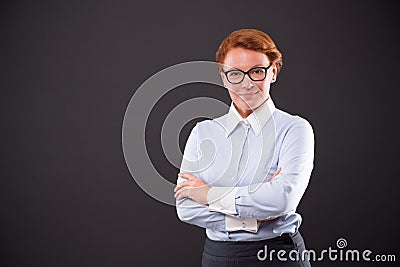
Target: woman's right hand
[(276, 174)]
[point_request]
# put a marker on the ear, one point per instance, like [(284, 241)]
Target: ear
[(274, 73), (223, 78)]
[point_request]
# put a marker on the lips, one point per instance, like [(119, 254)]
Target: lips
[(249, 94)]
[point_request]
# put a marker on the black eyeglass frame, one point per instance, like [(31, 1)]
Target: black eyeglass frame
[(248, 72)]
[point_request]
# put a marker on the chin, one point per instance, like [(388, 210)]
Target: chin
[(251, 104)]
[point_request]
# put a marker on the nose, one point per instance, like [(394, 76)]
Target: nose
[(247, 83)]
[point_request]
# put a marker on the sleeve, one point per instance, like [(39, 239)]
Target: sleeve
[(283, 194), (194, 213), (188, 210)]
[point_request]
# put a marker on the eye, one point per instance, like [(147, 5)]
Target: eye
[(234, 73), (257, 71)]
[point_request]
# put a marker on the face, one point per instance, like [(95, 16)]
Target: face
[(248, 95)]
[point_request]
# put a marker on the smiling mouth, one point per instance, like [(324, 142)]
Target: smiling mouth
[(249, 94)]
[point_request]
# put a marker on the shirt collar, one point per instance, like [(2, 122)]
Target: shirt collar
[(257, 119)]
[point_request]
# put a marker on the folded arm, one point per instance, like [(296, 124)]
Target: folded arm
[(198, 213), (283, 194)]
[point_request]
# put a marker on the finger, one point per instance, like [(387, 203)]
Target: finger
[(183, 184), (189, 176), (182, 193), (179, 194), (276, 173)]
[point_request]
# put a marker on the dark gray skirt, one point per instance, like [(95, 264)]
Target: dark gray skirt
[(285, 250)]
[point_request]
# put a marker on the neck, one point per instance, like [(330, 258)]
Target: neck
[(243, 112), (246, 112)]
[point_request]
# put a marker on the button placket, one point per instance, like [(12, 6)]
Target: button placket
[(240, 168)]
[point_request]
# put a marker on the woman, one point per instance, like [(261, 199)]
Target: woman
[(243, 174)]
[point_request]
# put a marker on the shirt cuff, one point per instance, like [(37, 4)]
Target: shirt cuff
[(240, 224), (222, 199)]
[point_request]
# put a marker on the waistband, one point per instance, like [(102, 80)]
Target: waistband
[(248, 248)]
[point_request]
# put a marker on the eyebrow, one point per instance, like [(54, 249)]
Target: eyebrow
[(255, 66)]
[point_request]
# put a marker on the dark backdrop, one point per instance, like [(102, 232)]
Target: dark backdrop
[(69, 69)]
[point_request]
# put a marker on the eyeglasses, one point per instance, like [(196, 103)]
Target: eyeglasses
[(255, 74)]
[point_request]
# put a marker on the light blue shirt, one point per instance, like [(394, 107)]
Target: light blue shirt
[(237, 158)]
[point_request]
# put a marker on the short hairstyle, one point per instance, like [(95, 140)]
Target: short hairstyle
[(251, 39)]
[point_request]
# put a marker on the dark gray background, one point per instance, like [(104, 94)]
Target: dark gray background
[(69, 69)]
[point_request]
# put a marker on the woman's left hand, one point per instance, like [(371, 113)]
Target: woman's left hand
[(193, 188)]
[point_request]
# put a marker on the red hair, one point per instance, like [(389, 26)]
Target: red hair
[(251, 39)]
